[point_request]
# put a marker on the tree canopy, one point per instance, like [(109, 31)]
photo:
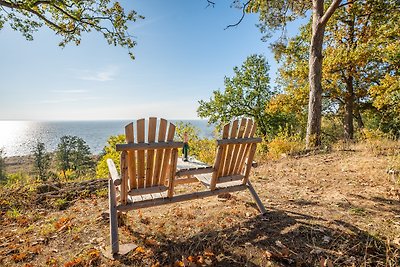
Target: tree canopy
[(73, 154), (360, 65), (70, 18), (246, 94)]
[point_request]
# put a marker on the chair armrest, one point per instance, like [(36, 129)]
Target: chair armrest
[(113, 172), (192, 171)]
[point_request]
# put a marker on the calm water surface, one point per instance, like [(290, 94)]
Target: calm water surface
[(18, 137)]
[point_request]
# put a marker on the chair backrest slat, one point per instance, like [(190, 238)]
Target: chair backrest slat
[(162, 130), (141, 165), (237, 147), (150, 153), (229, 148), (130, 138), (234, 158), (248, 149), (245, 147), (222, 155), (167, 154)]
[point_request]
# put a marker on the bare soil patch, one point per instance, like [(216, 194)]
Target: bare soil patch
[(335, 209)]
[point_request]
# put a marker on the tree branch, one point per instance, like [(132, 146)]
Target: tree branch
[(210, 3), (243, 14), (345, 4), (7, 4), (329, 12), (43, 18)]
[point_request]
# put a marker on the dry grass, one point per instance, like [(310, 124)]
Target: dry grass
[(341, 207)]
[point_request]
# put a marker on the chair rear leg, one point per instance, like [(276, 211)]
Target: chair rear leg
[(256, 198), (114, 242)]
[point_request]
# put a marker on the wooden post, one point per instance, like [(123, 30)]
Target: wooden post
[(253, 192), (113, 218)]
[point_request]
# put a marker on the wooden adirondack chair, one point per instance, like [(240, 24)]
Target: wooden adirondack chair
[(234, 159), (148, 167)]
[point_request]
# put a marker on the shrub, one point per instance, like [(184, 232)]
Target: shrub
[(205, 150), (2, 167), (202, 149), (61, 203), (373, 135), (15, 180), (41, 161), (109, 152), (283, 144), (13, 213)]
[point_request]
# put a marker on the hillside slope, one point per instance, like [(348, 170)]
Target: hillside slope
[(340, 208)]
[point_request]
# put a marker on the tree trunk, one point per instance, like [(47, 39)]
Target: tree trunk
[(313, 137), (358, 117), (348, 110)]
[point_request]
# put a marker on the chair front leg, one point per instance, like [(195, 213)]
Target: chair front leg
[(114, 242)]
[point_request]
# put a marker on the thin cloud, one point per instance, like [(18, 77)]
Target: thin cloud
[(69, 100), (105, 75), (58, 101), (72, 91)]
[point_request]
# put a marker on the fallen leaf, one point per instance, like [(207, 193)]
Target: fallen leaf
[(151, 242), (179, 264), (140, 250), (75, 262), (19, 257), (208, 253)]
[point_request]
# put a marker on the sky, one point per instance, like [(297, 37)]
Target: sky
[(182, 55)]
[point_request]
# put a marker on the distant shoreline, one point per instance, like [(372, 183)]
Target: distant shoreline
[(19, 137)]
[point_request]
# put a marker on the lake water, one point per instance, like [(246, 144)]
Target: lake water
[(18, 137)]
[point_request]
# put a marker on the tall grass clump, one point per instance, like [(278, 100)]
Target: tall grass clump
[(379, 143)]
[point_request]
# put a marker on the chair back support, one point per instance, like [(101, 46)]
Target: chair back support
[(235, 151), (149, 158)]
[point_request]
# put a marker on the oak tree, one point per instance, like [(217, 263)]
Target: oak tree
[(276, 14), (360, 51)]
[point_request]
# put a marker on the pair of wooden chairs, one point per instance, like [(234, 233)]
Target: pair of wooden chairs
[(149, 172)]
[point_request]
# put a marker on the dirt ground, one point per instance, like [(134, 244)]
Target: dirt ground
[(336, 209)]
